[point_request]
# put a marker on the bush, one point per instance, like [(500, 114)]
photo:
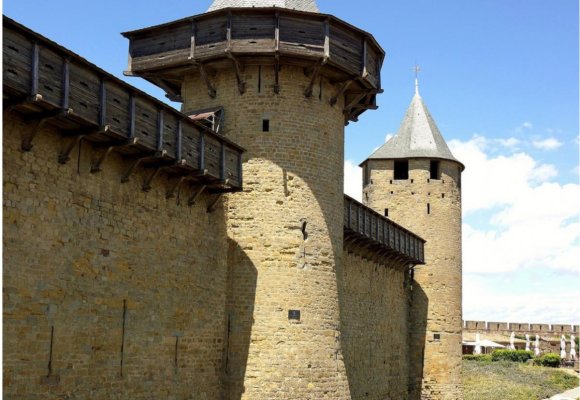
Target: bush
[(512, 355), (548, 360), (477, 357)]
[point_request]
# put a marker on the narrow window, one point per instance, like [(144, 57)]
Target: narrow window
[(428, 208), (401, 170), (459, 177), (442, 195), (265, 125), (366, 177), (386, 212), (434, 170)]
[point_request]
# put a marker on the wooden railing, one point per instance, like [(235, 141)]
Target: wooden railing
[(47, 82), (321, 43), (378, 232)]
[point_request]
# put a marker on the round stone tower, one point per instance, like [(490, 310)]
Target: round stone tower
[(282, 82), (415, 180)]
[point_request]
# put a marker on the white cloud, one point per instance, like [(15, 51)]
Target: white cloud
[(489, 182), (481, 302), (353, 180), (389, 136), (524, 126), (531, 221), (509, 143), (547, 144)]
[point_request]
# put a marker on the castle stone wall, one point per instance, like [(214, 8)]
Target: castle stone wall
[(430, 208), (92, 266), (287, 226), (374, 333)]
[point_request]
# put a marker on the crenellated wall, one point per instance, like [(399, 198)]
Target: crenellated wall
[(526, 327)]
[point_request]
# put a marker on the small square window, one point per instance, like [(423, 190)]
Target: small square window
[(401, 170), (437, 337)]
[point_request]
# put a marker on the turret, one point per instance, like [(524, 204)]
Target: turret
[(415, 180), (283, 81)]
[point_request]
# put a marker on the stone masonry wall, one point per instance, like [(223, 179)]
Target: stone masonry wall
[(82, 250), (286, 229), (374, 308), (430, 208)]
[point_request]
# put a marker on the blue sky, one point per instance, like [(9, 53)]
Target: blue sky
[(501, 80)]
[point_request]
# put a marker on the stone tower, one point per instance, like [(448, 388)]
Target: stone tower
[(284, 81), (415, 181)]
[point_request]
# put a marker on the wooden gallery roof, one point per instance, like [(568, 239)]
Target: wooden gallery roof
[(235, 37), (47, 83), (366, 229)]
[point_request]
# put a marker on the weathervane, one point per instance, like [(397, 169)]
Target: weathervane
[(416, 68)]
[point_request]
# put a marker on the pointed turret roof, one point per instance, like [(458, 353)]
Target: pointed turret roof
[(301, 5), (418, 136)]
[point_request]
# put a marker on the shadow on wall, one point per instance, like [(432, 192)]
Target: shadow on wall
[(419, 304), (241, 294)]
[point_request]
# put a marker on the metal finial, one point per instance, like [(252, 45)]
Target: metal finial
[(416, 68)]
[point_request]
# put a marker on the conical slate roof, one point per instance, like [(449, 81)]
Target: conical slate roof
[(301, 5), (418, 137)]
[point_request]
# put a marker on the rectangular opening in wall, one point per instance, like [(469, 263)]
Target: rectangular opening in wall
[(386, 212), (401, 169), (437, 337), (366, 174), (434, 170), (265, 125), (428, 208)]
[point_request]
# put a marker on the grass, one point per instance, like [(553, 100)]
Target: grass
[(504, 380)]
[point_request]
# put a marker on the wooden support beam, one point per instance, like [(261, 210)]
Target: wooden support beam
[(64, 155), (179, 142), (341, 91), (210, 87), (314, 71), (196, 195), (147, 184), (192, 40), (354, 101), (108, 148), (102, 103), (132, 121), (39, 121), (175, 187), (364, 72), (326, 38), (65, 83), (213, 205), (35, 69), (160, 129), (238, 68), (132, 167)]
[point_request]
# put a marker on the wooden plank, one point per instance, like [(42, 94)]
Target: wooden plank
[(171, 127), (117, 109), (212, 155), (190, 139), (85, 86), (252, 26), (50, 73), (146, 122), (17, 62)]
